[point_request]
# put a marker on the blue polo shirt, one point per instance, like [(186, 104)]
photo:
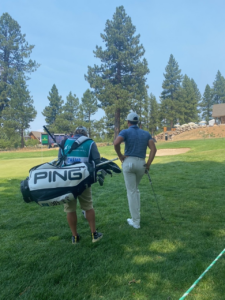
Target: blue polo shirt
[(136, 141)]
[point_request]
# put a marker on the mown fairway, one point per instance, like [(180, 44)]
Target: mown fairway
[(160, 261)]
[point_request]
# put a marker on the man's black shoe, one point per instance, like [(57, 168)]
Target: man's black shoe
[(76, 239), (96, 236)]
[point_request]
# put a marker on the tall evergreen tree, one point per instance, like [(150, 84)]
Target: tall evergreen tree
[(122, 72), (198, 97), (21, 112), (140, 105), (66, 120), (99, 130), (170, 86), (219, 89), (197, 92), (14, 54), (55, 106), (4, 99), (89, 108), (207, 103), (153, 114), (187, 102)]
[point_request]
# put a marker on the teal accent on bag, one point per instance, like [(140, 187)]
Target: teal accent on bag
[(81, 154)]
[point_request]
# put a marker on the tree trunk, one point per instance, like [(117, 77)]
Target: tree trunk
[(117, 123), (89, 125), (22, 139)]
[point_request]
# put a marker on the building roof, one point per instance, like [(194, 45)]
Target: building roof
[(37, 134), (218, 110)]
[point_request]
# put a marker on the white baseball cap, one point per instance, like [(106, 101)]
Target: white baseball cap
[(132, 117)]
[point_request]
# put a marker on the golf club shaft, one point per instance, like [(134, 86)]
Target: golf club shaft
[(106, 162), (154, 194), (52, 137)]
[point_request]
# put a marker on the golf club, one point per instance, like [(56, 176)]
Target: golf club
[(46, 129), (147, 172), (106, 162)]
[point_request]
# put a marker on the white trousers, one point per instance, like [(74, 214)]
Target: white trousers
[(133, 170)]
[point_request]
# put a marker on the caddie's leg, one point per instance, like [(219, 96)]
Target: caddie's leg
[(72, 221), (86, 204), (90, 216), (70, 209)]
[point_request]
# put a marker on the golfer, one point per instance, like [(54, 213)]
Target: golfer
[(86, 152), (133, 162)]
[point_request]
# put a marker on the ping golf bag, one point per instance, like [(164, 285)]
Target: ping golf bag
[(50, 184)]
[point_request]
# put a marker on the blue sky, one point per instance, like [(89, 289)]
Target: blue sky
[(65, 33)]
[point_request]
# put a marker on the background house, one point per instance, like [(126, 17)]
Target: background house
[(219, 112), (36, 135)]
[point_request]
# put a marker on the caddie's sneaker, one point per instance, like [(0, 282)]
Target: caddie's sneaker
[(76, 239), (131, 223), (84, 213), (96, 236)]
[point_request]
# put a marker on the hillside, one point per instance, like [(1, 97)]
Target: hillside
[(216, 131), (202, 133)]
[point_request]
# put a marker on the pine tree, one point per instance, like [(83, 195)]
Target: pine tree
[(99, 130), (89, 108), (198, 98), (139, 105), (197, 92), (121, 76), (14, 52), (207, 103), (4, 100), (187, 102), (67, 120), (21, 112), (55, 106), (170, 85), (219, 89), (153, 114)]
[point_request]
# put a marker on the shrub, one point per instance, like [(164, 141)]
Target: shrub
[(5, 144), (31, 142)]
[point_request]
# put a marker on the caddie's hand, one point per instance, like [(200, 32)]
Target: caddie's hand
[(122, 157)]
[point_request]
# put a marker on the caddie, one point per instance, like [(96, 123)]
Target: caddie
[(133, 162), (86, 152)]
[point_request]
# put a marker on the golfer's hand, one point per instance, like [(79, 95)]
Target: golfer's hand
[(122, 157), (147, 167)]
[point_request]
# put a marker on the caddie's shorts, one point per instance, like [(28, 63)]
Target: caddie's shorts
[(85, 200)]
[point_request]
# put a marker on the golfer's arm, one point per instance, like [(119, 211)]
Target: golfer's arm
[(153, 151), (117, 143)]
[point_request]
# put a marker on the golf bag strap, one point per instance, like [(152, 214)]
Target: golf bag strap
[(70, 142)]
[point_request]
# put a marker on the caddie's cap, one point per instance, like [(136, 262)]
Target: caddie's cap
[(133, 117), (81, 130)]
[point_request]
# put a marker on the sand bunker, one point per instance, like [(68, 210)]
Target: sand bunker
[(164, 152)]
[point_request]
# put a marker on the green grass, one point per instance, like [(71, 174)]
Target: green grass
[(163, 258)]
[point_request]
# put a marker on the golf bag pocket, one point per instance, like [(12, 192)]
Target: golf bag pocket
[(57, 200), (50, 185)]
